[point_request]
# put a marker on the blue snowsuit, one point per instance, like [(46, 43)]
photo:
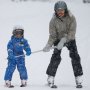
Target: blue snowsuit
[(16, 57)]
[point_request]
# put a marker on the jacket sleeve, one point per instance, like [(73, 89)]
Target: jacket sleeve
[(27, 46), (72, 29), (52, 33), (10, 48)]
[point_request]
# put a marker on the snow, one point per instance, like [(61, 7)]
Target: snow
[(35, 17)]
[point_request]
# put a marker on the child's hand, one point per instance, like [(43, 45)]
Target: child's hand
[(28, 53)]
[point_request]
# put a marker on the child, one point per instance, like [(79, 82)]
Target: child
[(16, 57)]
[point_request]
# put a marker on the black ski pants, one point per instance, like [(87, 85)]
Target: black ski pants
[(56, 59)]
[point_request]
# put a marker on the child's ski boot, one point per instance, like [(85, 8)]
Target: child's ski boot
[(23, 83), (8, 84)]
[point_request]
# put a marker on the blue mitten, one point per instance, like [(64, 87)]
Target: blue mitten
[(28, 53)]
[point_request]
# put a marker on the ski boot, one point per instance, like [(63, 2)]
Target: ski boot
[(23, 83), (50, 81), (8, 84), (78, 81)]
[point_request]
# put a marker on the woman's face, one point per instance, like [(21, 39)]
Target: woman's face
[(60, 12)]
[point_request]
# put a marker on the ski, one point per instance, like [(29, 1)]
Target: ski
[(11, 86), (52, 86), (22, 85), (79, 86)]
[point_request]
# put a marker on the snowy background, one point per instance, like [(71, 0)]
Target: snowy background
[(34, 16)]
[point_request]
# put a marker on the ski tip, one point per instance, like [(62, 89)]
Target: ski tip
[(79, 86), (54, 86)]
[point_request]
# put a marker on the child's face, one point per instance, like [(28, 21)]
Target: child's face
[(18, 35)]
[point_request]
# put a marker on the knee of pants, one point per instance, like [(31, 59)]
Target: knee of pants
[(55, 60), (21, 68), (75, 56), (56, 55), (11, 67)]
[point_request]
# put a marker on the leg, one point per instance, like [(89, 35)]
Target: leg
[(9, 70), (22, 70), (55, 60), (76, 64), (52, 68)]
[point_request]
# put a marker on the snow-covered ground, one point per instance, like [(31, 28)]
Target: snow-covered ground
[(35, 17)]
